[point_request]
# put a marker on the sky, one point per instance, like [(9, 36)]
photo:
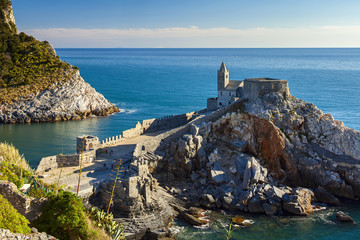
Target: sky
[(191, 23)]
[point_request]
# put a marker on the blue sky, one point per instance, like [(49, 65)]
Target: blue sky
[(196, 23)]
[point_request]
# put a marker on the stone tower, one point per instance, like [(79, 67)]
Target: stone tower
[(223, 77)]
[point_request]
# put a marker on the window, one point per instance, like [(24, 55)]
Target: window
[(229, 93)]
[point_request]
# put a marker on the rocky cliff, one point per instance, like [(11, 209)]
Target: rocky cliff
[(271, 156), (35, 85), (71, 100)]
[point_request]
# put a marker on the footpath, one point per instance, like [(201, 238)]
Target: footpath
[(94, 173)]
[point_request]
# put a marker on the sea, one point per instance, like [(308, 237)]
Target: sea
[(149, 83)]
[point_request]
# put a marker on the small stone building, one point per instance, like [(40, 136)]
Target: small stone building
[(86, 143), (230, 91)]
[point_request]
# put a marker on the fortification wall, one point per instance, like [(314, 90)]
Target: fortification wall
[(47, 163), (57, 161), (168, 122), (133, 132), (212, 104), (111, 141), (256, 87), (149, 126)]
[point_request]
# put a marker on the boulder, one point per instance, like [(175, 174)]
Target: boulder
[(274, 193), (343, 217), (269, 209), (323, 196), (190, 219), (195, 211), (255, 206), (247, 176), (299, 203), (217, 173)]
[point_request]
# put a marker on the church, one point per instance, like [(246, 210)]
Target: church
[(230, 91)]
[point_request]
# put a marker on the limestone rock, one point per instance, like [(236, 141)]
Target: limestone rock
[(269, 209), (6, 234), (299, 203), (255, 206), (217, 173), (343, 217), (70, 100), (191, 219), (323, 196)]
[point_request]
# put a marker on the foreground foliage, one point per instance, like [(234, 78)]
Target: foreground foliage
[(105, 221), (11, 219), (63, 217), (14, 168)]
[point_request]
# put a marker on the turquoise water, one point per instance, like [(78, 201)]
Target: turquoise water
[(320, 225), (149, 83)]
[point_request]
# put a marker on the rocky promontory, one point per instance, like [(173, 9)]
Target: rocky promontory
[(272, 155), (35, 85), (71, 100)]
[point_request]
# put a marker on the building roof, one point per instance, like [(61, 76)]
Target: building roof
[(223, 67), (233, 85), (263, 80)]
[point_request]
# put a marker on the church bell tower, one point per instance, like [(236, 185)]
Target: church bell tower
[(223, 77)]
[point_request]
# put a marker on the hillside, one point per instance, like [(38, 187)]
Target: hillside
[(30, 68)]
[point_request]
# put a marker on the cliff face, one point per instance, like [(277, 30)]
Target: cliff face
[(71, 100), (7, 15), (36, 86), (271, 155)]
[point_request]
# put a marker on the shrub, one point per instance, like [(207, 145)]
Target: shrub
[(105, 221), (11, 219), (63, 217), (10, 155)]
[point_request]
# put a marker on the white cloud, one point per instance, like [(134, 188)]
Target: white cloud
[(178, 37)]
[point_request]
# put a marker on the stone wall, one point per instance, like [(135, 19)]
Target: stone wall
[(57, 161), (149, 126), (133, 132), (168, 122), (212, 104), (47, 163), (9, 191), (256, 87), (25, 205), (111, 141)]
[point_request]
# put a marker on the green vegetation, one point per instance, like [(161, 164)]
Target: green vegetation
[(14, 168), (105, 221), (11, 219), (228, 232), (63, 217), (118, 170), (27, 65)]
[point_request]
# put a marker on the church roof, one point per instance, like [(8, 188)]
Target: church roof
[(223, 67), (233, 85)]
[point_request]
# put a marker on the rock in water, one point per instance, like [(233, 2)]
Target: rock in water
[(343, 217)]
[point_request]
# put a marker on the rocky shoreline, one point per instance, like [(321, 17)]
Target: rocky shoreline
[(272, 156), (71, 100)]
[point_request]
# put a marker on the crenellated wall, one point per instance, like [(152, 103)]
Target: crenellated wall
[(149, 126)]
